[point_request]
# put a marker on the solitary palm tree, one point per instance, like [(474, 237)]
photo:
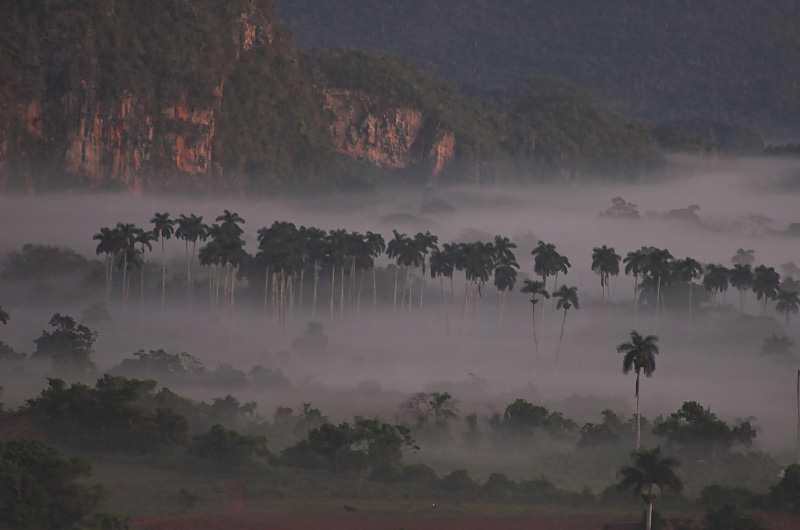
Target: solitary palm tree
[(649, 470), (741, 277), (640, 356), (567, 299), (605, 262), (635, 263), (535, 288), (163, 228)]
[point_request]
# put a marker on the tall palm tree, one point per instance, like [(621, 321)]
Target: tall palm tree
[(127, 237), (110, 243), (567, 299), (376, 246), (543, 260), (687, 269), (605, 262), (442, 264), (476, 260), (635, 263), (163, 228), (649, 470), (658, 267), (741, 277), (744, 257), (394, 250), (535, 288), (336, 256), (715, 280), (766, 284), (145, 239), (423, 244), (191, 229), (640, 356), (505, 276), (788, 303), (314, 248)]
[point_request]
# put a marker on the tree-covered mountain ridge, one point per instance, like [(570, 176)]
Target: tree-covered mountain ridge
[(172, 96)]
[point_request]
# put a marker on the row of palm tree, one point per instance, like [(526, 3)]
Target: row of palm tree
[(286, 253)]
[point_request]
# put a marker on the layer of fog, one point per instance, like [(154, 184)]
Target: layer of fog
[(377, 359)]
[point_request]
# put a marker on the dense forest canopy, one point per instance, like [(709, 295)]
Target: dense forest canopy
[(731, 62)]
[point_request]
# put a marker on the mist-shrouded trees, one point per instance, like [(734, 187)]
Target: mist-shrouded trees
[(741, 277), (635, 263), (476, 260), (163, 228), (423, 244), (548, 262), (687, 270), (375, 246), (766, 284), (567, 299), (696, 430), (395, 249), (605, 263), (744, 257), (442, 265), (657, 268), (69, 345), (430, 410), (144, 238), (535, 288), (640, 357), (40, 488), (649, 470), (505, 271), (191, 229), (788, 303), (715, 280)]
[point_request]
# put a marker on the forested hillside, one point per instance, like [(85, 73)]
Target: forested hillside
[(728, 61)]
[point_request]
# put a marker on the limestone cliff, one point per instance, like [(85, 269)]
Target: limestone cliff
[(366, 128)]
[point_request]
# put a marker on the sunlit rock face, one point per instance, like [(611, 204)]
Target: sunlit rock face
[(366, 128)]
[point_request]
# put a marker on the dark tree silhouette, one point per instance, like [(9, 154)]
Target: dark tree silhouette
[(640, 356), (163, 228), (605, 262), (649, 470)]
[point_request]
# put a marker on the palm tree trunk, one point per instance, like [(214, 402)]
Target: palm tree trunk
[(341, 296), (638, 415), (300, 294), (690, 302), (394, 300), (535, 339), (141, 285), (333, 280), (421, 289), (374, 290), (358, 296), (163, 276), (649, 524), (560, 337), (266, 291), (316, 280), (191, 271), (635, 298), (446, 310)]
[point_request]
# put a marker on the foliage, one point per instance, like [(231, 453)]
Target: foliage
[(69, 345), (698, 430), (643, 58), (109, 417), (731, 517), (160, 365), (227, 447), (8, 354), (103, 521), (785, 495), (38, 488), (716, 496), (522, 417), (37, 262)]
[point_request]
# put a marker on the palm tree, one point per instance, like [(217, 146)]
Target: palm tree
[(640, 356), (376, 246), (336, 255), (476, 260), (567, 299), (687, 269), (163, 228), (635, 263), (649, 470), (715, 280), (210, 256), (505, 276), (442, 264), (143, 238), (788, 303), (741, 277), (744, 257), (424, 243), (658, 267), (605, 262), (110, 243), (127, 237), (543, 260), (766, 284), (314, 246), (190, 229), (395, 249), (534, 288)]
